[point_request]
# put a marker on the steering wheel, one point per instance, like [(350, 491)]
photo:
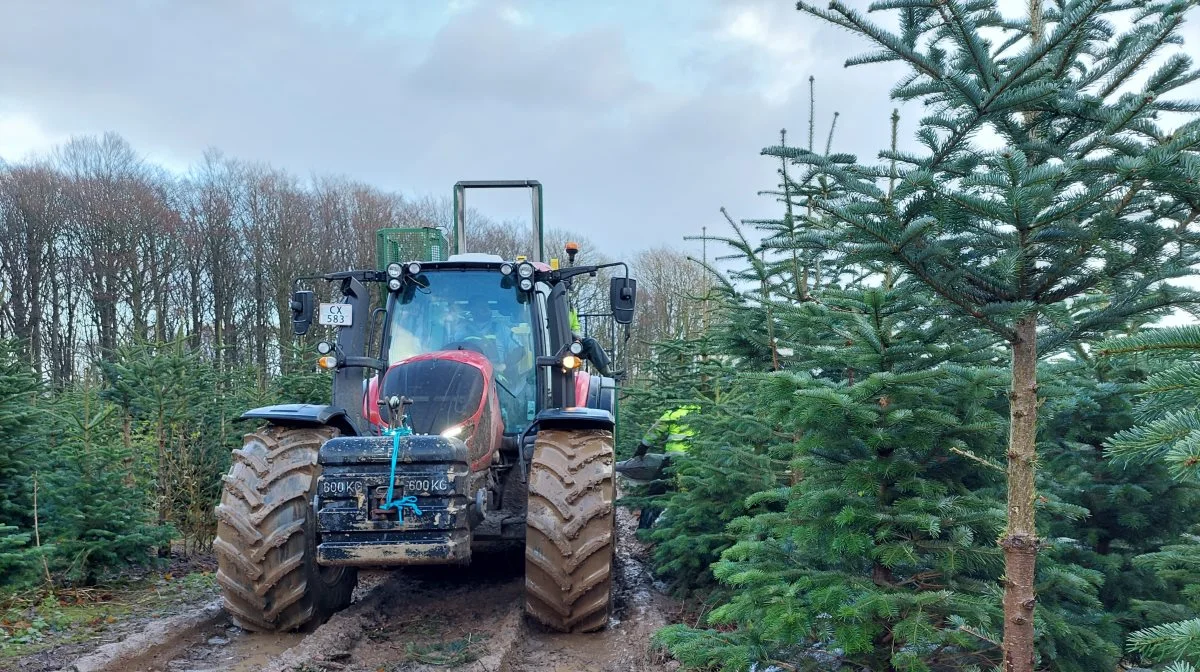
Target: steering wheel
[(474, 344)]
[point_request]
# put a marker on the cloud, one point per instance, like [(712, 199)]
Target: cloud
[(641, 121), (22, 137), (485, 91)]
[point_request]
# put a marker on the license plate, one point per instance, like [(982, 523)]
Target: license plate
[(336, 314), (342, 488)]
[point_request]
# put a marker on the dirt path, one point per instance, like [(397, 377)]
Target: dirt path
[(424, 619)]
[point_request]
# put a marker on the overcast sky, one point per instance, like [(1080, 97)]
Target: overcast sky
[(641, 119)]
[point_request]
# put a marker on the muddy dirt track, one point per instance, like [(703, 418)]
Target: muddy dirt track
[(421, 619)]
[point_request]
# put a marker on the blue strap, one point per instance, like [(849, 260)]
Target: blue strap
[(408, 501)]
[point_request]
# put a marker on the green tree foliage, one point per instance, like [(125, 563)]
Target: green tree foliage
[(179, 417), (1084, 193), (16, 558), (1130, 512), (1168, 433), (19, 459), (872, 548), (98, 517), (881, 545), (882, 548), (126, 464), (18, 415), (729, 460)]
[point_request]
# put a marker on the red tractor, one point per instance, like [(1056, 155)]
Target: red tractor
[(478, 424)]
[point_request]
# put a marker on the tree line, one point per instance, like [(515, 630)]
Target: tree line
[(99, 247)]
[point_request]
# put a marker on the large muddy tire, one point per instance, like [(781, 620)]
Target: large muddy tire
[(266, 535), (570, 530)]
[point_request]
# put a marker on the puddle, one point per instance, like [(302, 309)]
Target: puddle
[(226, 648)]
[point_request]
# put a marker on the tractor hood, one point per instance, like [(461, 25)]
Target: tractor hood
[(453, 395)]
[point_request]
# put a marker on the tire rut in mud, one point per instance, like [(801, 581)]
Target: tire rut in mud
[(423, 618), (466, 619), (624, 646)]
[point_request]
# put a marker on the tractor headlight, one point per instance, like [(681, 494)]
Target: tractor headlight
[(576, 348), (324, 347), (414, 268), (395, 270), (506, 269), (525, 270), (526, 284), (394, 284)]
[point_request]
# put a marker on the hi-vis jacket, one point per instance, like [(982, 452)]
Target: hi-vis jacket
[(670, 430)]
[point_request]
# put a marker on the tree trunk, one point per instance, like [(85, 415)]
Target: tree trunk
[(1020, 542)]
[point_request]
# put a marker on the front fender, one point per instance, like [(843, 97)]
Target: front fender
[(575, 418), (304, 415)]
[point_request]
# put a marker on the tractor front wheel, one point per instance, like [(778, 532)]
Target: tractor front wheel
[(267, 533), (570, 530)]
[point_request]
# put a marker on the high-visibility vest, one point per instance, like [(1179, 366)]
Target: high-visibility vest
[(575, 321), (669, 430)]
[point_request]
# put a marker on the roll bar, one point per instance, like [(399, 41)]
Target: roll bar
[(460, 210)]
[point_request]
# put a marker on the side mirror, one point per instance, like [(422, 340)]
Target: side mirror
[(622, 294), (302, 311)]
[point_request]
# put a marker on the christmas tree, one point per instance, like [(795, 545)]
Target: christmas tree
[(1168, 434), (19, 459), (1082, 193)]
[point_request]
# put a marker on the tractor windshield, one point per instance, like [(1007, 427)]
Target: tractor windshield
[(476, 310)]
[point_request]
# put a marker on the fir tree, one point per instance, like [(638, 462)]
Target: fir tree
[(879, 547), (98, 520), (179, 417), (1130, 512), (301, 381), (18, 461), (729, 460), (1169, 433), (1086, 195), (16, 557)]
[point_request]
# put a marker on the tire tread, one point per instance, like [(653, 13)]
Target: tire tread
[(570, 537)]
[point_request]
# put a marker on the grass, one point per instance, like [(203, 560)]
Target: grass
[(40, 619)]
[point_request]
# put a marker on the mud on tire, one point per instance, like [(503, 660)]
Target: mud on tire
[(266, 535), (570, 530)]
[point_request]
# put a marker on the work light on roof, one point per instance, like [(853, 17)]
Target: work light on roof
[(506, 269), (395, 270), (414, 268)]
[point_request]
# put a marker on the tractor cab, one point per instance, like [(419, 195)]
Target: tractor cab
[(452, 315)]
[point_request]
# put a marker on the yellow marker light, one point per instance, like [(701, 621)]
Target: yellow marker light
[(520, 258), (328, 363), (571, 362), (554, 264)]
